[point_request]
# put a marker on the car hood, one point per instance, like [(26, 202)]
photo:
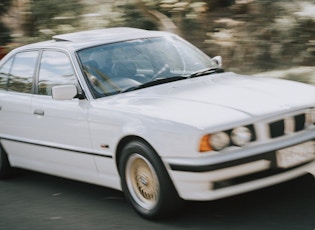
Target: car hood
[(216, 99)]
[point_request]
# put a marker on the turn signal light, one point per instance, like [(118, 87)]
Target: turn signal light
[(204, 145)]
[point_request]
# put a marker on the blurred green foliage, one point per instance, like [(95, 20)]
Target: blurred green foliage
[(5, 5), (5, 36), (250, 35), (46, 18), (4, 30), (133, 17)]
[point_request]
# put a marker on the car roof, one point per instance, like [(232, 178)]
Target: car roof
[(83, 39)]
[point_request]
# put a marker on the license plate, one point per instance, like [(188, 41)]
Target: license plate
[(295, 155)]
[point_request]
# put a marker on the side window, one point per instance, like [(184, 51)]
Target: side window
[(4, 74), (22, 72), (55, 69)]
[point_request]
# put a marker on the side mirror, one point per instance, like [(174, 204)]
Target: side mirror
[(218, 60), (64, 92)]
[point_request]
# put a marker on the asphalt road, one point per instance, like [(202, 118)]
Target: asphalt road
[(37, 201)]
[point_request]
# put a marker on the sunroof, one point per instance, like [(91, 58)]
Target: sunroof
[(93, 35)]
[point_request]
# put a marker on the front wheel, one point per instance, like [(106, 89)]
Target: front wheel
[(145, 182)]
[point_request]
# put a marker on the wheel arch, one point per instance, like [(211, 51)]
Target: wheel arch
[(4, 152), (124, 141), (5, 166)]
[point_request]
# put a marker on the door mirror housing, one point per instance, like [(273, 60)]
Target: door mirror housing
[(218, 61), (64, 92)]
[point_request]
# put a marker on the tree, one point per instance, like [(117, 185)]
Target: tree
[(50, 15), (4, 34), (136, 15), (5, 5), (4, 31), (219, 3)]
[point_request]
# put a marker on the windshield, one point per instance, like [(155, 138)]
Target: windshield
[(114, 68)]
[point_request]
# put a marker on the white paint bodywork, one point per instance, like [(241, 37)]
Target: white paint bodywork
[(170, 117), (78, 138)]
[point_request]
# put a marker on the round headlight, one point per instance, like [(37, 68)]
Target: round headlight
[(241, 136), (219, 140)]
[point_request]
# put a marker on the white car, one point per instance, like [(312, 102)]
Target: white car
[(148, 113)]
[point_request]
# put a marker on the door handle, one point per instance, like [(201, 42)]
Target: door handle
[(39, 112)]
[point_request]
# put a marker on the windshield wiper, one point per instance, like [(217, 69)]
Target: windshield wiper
[(174, 78), (206, 72), (155, 82)]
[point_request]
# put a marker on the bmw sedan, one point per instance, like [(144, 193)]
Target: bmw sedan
[(148, 113)]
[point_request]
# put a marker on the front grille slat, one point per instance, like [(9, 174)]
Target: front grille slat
[(276, 129), (300, 121), (287, 125)]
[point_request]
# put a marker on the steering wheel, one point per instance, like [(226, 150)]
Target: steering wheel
[(164, 70)]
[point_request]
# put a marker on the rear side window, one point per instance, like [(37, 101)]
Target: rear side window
[(4, 74), (22, 72)]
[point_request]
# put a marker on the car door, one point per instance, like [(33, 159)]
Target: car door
[(16, 87), (60, 128)]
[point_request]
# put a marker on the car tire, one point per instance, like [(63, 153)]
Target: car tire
[(146, 183), (5, 168)]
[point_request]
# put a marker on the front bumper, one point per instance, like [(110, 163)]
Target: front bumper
[(248, 169), (202, 186)]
